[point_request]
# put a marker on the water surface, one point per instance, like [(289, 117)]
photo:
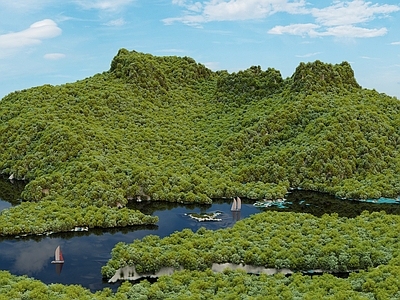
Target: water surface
[(86, 252)]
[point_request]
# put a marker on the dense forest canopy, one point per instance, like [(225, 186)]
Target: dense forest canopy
[(320, 77), (168, 128), (378, 283), (272, 239)]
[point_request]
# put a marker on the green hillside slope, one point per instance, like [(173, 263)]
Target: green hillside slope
[(168, 128)]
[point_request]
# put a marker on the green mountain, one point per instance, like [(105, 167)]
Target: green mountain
[(168, 128)]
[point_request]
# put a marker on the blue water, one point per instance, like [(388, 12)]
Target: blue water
[(4, 204), (86, 252), (383, 200)]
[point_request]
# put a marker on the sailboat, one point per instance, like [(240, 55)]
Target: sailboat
[(237, 204), (58, 257)]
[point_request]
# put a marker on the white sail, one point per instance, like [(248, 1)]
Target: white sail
[(234, 204), (58, 257), (238, 204)]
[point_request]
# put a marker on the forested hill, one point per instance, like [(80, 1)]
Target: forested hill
[(168, 128)]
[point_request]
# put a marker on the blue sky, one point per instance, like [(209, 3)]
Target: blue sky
[(55, 42)]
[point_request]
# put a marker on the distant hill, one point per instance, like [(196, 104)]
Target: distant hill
[(168, 128)]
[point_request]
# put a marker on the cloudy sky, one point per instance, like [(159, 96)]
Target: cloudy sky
[(55, 42)]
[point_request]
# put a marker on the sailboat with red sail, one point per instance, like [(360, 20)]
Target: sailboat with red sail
[(58, 257)]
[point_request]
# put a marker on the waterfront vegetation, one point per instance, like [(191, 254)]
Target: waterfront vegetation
[(53, 216), (377, 283), (169, 129), (279, 240)]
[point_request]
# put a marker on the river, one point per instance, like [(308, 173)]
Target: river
[(86, 252)]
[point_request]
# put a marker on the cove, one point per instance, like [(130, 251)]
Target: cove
[(86, 252)]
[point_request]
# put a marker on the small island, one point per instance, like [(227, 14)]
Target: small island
[(280, 203), (205, 217)]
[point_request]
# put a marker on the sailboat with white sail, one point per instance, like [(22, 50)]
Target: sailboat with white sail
[(58, 257), (237, 204)]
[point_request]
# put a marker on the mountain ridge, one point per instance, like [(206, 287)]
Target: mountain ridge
[(168, 128)]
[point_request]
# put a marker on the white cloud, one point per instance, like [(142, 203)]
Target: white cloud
[(313, 30), (189, 5), (116, 23), (296, 29), (232, 10), (23, 6), (172, 50), (349, 31), (212, 65), (237, 10), (309, 54), (395, 43), (341, 19), (369, 58), (34, 35), (354, 12), (54, 56), (109, 5), (190, 20), (179, 2)]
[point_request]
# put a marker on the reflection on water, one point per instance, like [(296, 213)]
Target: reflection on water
[(84, 255), (4, 205), (26, 256), (31, 257), (86, 252), (236, 216), (320, 203)]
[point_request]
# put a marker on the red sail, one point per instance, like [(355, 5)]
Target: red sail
[(61, 256)]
